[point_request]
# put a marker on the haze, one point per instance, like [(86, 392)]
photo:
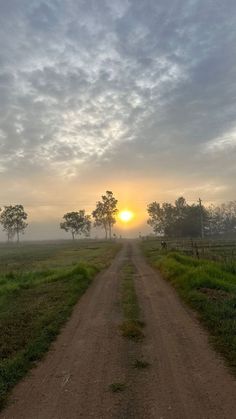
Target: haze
[(137, 97)]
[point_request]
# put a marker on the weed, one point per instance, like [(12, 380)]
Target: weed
[(117, 387), (140, 364), (131, 329)]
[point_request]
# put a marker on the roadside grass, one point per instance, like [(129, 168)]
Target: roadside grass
[(38, 297), (131, 327), (209, 288)]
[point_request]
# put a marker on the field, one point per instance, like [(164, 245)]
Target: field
[(39, 285), (206, 285)]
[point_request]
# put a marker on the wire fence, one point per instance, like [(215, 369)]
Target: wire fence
[(213, 249)]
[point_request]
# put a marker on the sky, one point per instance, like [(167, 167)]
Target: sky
[(133, 96)]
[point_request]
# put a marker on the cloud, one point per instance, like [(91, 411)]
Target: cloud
[(96, 89), (223, 143)]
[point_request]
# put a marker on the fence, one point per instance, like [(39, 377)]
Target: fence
[(214, 249)]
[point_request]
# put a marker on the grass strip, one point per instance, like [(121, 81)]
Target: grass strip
[(209, 289), (131, 327)]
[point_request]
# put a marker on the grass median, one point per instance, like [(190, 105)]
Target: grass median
[(131, 327)]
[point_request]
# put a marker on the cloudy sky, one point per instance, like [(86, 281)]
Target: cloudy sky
[(136, 96)]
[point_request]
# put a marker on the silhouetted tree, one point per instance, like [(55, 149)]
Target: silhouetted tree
[(77, 223), (156, 218), (222, 219), (13, 219), (104, 214), (178, 220)]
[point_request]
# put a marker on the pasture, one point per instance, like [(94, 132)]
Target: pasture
[(39, 285)]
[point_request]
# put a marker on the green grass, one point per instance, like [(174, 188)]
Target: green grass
[(209, 288), (38, 289), (131, 327), (35, 256)]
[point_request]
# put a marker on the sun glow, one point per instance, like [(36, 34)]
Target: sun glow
[(126, 216)]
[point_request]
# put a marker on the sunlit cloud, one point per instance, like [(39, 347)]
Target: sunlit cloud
[(225, 142)]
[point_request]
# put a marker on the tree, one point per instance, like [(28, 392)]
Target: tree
[(105, 212), (222, 219), (100, 217), (77, 223), (178, 220), (13, 219), (156, 218)]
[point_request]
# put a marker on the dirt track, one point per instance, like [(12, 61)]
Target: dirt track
[(186, 379)]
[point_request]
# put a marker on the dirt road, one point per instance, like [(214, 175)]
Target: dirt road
[(185, 380)]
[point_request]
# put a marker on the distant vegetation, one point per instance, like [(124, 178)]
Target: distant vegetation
[(196, 220), (13, 219), (105, 213), (39, 285), (77, 223)]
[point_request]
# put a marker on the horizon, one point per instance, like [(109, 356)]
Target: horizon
[(132, 228)]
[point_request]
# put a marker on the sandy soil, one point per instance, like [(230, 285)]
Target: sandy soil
[(186, 379)]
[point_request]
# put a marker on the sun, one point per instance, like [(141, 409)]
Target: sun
[(125, 216)]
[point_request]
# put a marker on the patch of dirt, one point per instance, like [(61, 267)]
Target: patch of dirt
[(216, 294)]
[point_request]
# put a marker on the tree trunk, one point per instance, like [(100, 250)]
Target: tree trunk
[(73, 235), (105, 228), (110, 231), (18, 236)]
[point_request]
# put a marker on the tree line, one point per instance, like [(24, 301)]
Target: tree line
[(192, 220), (180, 219), (13, 219), (79, 223)]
